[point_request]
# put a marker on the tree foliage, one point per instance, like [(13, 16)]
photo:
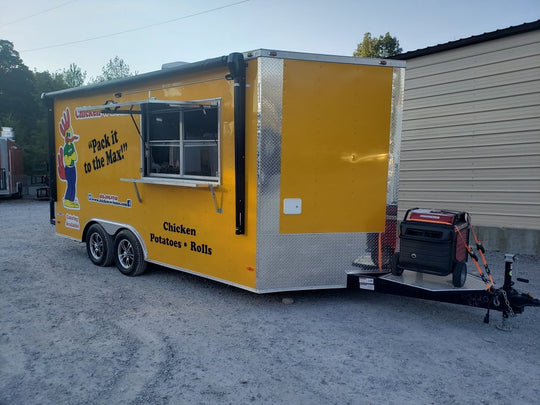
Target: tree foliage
[(21, 106), (18, 106), (74, 76), (16, 86), (116, 68), (381, 47), (9, 57)]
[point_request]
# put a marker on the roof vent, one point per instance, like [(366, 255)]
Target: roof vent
[(172, 65)]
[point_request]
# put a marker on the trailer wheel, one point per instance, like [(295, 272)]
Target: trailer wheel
[(99, 246), (128, 256), (397, 270), (459, 274)]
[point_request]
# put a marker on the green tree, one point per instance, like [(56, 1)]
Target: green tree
[(9, 58), (36, 152), (381, 47), (21, 107), (74, 76), (16, 87), (116, 68), (18, 105)]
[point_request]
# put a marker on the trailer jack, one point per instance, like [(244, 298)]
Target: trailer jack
[(514, 301), (474, 293)]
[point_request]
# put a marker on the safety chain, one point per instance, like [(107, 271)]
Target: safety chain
[(507, 303)]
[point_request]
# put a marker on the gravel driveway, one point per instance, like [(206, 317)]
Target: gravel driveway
[(74, 333)]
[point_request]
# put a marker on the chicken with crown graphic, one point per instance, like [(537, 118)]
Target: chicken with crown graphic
[(67, 158)]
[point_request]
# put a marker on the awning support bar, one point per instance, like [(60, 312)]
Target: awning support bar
[(237, 67)]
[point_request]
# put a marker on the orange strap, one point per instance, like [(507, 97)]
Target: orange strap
[(481, 250), (475, 260), (380, 251)]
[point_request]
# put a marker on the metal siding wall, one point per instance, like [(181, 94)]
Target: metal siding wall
[(471, 132)]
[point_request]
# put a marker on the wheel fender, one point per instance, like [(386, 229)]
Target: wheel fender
[(112, 228)]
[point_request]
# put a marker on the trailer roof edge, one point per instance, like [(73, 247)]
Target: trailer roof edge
[(214, 63), (315, 57), (203, 65)]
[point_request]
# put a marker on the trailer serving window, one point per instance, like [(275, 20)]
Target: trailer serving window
[(182, 141)]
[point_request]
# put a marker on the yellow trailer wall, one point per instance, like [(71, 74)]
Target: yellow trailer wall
[(334, 150), (109, 149)]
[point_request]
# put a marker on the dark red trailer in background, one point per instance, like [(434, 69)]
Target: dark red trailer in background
[(11, 165)]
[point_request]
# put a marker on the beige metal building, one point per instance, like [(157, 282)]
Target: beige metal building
[(471, 134)]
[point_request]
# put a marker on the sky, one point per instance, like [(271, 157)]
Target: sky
[(50, 35)]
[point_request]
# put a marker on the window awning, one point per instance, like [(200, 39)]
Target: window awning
[(127, 107)]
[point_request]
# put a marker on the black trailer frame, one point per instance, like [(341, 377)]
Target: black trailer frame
[(425, 286)]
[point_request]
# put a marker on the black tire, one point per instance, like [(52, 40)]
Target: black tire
[(386, 253), (459, 274), (128, 254), (99, 246), (397, 270)]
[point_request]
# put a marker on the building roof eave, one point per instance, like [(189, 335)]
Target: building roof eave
[(475, 39)]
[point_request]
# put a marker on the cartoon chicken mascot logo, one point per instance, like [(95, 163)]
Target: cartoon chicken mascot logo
[(67, 158)]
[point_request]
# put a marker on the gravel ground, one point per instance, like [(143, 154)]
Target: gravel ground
[(74, 333)]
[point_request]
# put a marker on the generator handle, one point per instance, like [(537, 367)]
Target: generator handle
[(408, 211)]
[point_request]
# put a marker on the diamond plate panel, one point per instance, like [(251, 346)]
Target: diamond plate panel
[(270, 91), (307, 261), (398, 83)]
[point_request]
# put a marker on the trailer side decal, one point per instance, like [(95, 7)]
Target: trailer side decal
[(72, 221), (109, 200), (181, 229), (112, 152), (67, 160)]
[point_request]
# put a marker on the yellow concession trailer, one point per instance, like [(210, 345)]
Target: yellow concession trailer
[(266, 170)]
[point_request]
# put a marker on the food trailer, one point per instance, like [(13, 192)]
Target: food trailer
[(266, 170)]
